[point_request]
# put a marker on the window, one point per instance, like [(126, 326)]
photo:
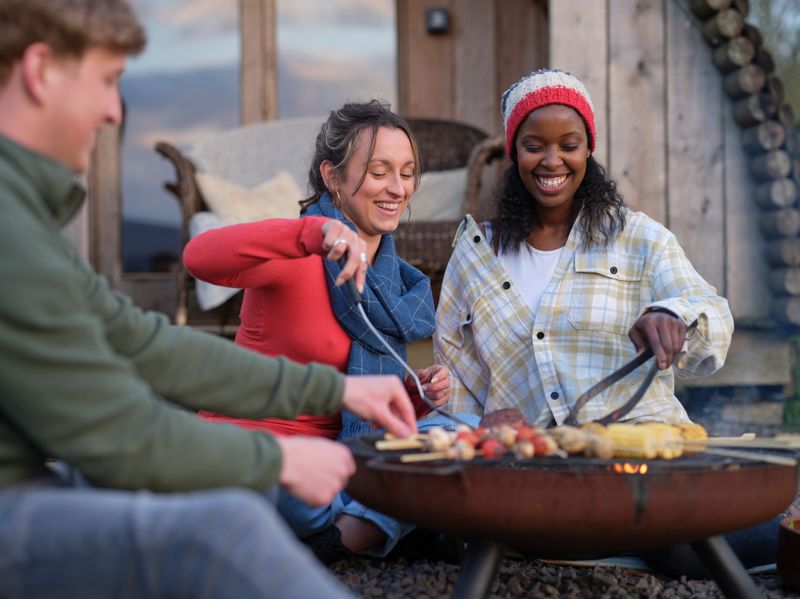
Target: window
[(332, 51), (185, 86)]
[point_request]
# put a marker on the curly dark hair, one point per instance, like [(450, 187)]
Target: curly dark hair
[(601, 207)]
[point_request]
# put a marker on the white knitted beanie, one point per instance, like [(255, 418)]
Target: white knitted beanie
[(540, 88)]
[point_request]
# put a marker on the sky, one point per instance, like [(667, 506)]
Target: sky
[(185, 85)]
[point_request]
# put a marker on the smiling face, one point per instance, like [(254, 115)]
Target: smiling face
[(552, 150), (83, 95), (376, 205)]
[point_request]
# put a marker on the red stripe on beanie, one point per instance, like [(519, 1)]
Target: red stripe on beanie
[(543, 97)]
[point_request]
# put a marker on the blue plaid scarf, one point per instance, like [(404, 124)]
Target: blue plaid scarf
[(397, 299)]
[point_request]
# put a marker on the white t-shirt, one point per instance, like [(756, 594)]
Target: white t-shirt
[(529, 268)]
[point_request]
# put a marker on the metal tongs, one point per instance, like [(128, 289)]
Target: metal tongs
[(572, 418), (351, 286)]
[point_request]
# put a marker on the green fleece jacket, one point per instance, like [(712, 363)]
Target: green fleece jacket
[(109, 388)]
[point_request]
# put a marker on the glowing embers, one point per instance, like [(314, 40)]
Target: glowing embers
[(626, 468)]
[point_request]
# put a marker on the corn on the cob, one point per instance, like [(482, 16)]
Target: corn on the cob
[(668, 440), (594, 427), (691, 431), (599, 446), (631, 441)]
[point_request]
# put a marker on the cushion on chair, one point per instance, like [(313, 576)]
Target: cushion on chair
[(277, 197), (440, 196), (231, 204), (209, 296)]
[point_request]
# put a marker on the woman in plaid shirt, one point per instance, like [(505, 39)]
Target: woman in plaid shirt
[(566, 284)]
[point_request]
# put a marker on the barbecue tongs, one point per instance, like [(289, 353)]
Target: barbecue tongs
[(351, 287), (612, 378)]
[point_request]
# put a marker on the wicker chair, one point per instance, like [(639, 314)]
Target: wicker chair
[(443, 145)]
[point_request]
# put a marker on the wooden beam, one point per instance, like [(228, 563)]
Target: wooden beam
[(474, 96), (105, 206), (259, 73), (425, 61), (521, 42), (637, 104), (695, 150), (579, 44)]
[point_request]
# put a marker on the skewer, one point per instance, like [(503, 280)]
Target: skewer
[(739, 442), (418, 436), (770, 458), (429, 456), (423, 457), (742, 454), (399, 444)]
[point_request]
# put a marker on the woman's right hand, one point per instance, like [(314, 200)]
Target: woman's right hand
[(338, 239)]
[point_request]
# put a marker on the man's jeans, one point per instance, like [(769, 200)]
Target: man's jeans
[(305, 520), (63, 541)]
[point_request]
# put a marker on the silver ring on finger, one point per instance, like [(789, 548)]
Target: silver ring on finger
[(338, 241)]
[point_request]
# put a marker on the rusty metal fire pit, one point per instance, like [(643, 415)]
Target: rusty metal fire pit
[(576, 507)]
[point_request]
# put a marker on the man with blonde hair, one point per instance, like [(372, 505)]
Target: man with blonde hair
[(175, 504)]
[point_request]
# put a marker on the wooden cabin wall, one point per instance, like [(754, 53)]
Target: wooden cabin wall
[(460, 74), (666, 134)]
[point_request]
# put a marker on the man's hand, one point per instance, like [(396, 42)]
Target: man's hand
[(661, 331), (382, 400), (435, 380), (314, 470), (338, 238)]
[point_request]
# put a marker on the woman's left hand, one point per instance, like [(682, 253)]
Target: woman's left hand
[(435, 381), (661, 331)]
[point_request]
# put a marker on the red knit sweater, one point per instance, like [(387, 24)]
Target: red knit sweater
[(286, 310)]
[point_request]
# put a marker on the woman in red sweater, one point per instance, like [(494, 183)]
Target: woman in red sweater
[(364, 171)]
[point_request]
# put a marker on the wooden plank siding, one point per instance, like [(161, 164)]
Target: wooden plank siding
[(579, 44), (474, 98), (695, 157), (637, 104), (666, 134), (105, 206), (259, 61), (460, 74), (425, 83)]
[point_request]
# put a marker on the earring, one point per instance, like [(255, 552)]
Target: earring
[(337, 200), (408, 211)]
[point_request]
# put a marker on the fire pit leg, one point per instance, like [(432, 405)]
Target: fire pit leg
[(477, 570), (725, 567)]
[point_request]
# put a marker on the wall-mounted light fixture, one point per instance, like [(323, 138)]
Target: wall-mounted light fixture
[(437, 20)]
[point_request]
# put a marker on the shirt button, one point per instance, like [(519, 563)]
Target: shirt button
[(613, 270), (540, 335), (477, 239), (554, 395), (506, 285)]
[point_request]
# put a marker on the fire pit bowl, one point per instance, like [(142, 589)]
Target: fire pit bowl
[(576, 507), (789, 552)]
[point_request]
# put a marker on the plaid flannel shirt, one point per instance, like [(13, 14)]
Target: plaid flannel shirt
[(501, 355)]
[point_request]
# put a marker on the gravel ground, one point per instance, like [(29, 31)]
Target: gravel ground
[(516, 578), (401, 579)]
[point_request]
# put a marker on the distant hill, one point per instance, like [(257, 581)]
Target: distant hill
[(148, 247)]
